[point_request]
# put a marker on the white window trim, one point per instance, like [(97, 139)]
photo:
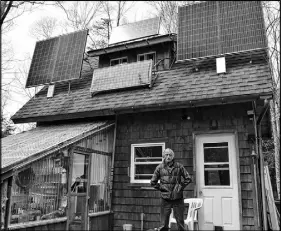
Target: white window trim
[(132, 167), (125, 57), (148, 53)]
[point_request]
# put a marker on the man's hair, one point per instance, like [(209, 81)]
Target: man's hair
[(168, 150)]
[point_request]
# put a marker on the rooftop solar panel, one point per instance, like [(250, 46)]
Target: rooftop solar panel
[(57, 59), (122, 76), (135, 30), (218, 27)]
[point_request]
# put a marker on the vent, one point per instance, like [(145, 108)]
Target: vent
[(51, 90), (221, 66)]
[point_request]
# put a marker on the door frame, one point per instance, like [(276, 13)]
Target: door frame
[(69, 194), (236, 146)]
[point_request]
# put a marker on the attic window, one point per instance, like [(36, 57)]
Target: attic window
[(118, 61), (147, 56)]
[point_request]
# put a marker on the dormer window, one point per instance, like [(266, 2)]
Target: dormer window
[(118, 61), (147, 56)]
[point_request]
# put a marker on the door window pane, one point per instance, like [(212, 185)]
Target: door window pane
[(216, 152), (217, 177), (214, 173)]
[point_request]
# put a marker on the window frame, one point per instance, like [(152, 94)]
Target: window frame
[(119, 61), (132, 164), (214, 163), (145, 56)]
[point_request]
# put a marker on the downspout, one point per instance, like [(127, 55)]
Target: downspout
[(259, 120), (255, 159), (112, 162)]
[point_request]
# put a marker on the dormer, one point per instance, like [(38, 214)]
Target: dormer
[(138, 46)]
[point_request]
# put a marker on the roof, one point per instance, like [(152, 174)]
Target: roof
[(41, 140), (180, 86), (136, 43)]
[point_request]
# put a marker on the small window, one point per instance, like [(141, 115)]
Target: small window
[(147, 56), (144, 159), (118, 61)]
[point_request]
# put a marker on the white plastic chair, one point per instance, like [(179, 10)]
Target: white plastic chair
[(191, 219)]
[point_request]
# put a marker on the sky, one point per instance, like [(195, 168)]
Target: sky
[(23, 43)]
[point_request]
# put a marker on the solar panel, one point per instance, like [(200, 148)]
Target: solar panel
[(122, 76), (219, 27), (135, 30), (57, 59)]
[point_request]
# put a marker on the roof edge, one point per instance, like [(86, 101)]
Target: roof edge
[(55, 148), (152, 107)]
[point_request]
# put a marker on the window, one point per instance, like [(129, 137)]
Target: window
[(100, 183), (144, 159), (39, 191), (147, 56), (216, 164), (118, 61)]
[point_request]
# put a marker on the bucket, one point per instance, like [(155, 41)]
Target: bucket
[(128, 227)]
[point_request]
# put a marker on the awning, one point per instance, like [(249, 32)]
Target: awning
[(28, 146)]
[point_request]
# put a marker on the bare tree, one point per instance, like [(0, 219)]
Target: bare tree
[(272, 20), (98, 16), (167, 10), (10, 11), (44, 28)]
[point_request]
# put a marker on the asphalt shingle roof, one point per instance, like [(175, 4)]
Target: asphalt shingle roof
[(18, 147), (176, 86)]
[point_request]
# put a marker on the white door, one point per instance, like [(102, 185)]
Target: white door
[(217, 184)]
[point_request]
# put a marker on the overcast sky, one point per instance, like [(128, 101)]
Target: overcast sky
[(23, 44)]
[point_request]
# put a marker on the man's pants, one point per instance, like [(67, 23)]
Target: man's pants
[(178, 207)]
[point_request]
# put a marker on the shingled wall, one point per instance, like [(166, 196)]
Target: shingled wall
[(130, 200)]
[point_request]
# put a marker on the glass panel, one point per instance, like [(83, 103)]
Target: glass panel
[(39, 192), (124, 60), (216, 152), (100, 182), (217, 177), (144, 172), (114, 62), (148, 154), (80, 173), (77, 213), (141, 57), (151, 56)]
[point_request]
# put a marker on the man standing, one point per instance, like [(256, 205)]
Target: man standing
[(173, 179)]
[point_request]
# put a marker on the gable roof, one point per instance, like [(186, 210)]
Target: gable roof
[(43, 140), (180, 86)]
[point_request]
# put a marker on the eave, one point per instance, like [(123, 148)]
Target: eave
[(133, 44), (146, 108)]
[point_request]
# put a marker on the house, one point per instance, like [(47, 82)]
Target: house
[(102, 135)]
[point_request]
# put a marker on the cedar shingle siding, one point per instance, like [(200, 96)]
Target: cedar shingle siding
[(129, 200)]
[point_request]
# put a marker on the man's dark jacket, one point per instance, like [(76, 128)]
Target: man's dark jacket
[(173, 179)]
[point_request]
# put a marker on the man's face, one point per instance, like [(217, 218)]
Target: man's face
[(168, 156)]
